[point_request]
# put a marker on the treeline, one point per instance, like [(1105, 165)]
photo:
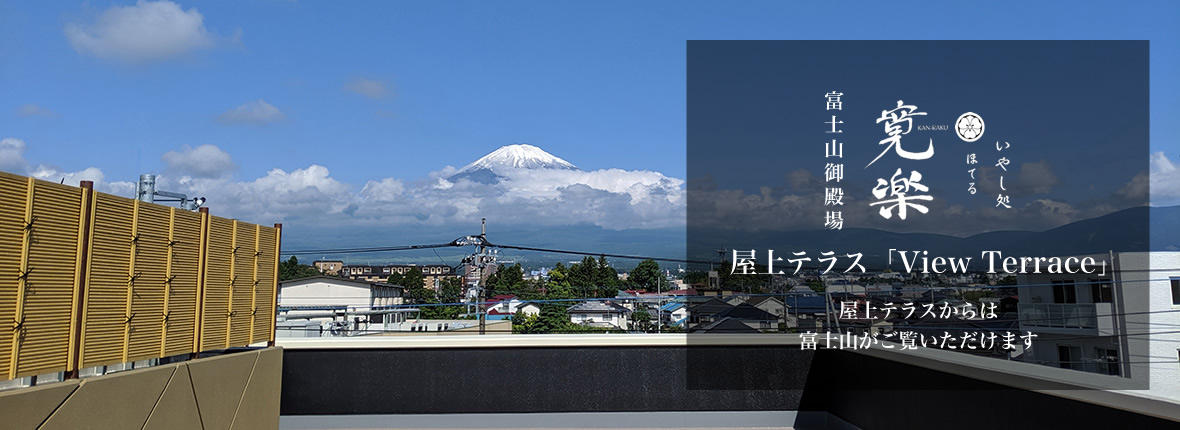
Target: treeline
[(587, 279)]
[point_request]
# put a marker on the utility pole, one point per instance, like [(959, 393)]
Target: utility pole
[(482, 291)]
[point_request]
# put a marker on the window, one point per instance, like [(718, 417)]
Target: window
[(1108, 360), (1176, 291), (1100, 291), (1064, 292), (1066, 356), (605, 316)]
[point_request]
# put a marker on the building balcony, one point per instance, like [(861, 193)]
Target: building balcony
[(1068, 318)]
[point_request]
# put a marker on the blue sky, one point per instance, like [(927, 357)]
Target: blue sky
[(388, 92)]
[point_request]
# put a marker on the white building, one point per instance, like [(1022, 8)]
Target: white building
[(337, 305), (1115, 324)]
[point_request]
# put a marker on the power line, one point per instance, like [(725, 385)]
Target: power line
[(598, 254), (372, 249)]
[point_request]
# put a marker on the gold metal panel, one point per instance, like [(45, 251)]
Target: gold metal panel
[(216, 297), (150, 276), (241, 308), (51, 279), (104, 307), (12, 214), (264, 301), (180, 325)]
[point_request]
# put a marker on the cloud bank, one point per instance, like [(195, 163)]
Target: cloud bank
[(608, 198)]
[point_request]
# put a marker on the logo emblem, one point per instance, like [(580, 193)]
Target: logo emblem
[(969, 127)]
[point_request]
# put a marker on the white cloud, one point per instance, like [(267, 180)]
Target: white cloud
[(1165, 181), (31, 110), (370, 88), (609, 198), (385, 190), (147, 31), (205, 161), (612, 198), (12, 159), (12, 155), (257, 112), (308, 193)]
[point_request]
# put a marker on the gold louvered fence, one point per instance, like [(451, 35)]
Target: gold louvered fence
[(90, 279)]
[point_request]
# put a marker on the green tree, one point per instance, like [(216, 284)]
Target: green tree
[(413, 278), (396, 279), (553, 319), (524, 324), (450, 290), (421, 294), (291, 269), (507, 280), (641, 318), (608, 279), (696, 277), (581, 276), (558, 286), (646, 275)]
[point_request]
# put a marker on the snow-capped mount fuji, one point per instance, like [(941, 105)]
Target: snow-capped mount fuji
[(490, 168)]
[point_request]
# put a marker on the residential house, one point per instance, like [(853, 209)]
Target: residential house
[(674, 313), (599, 314)]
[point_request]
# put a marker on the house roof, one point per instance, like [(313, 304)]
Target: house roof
[(669, 307), (726, 325), (758, 300), (709, 307), (746, 311), (597, 307)]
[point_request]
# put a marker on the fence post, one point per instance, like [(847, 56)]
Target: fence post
[(274, 288), (254, 282), (22, 281), (233, 279), (81, 279), (168, 276)]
